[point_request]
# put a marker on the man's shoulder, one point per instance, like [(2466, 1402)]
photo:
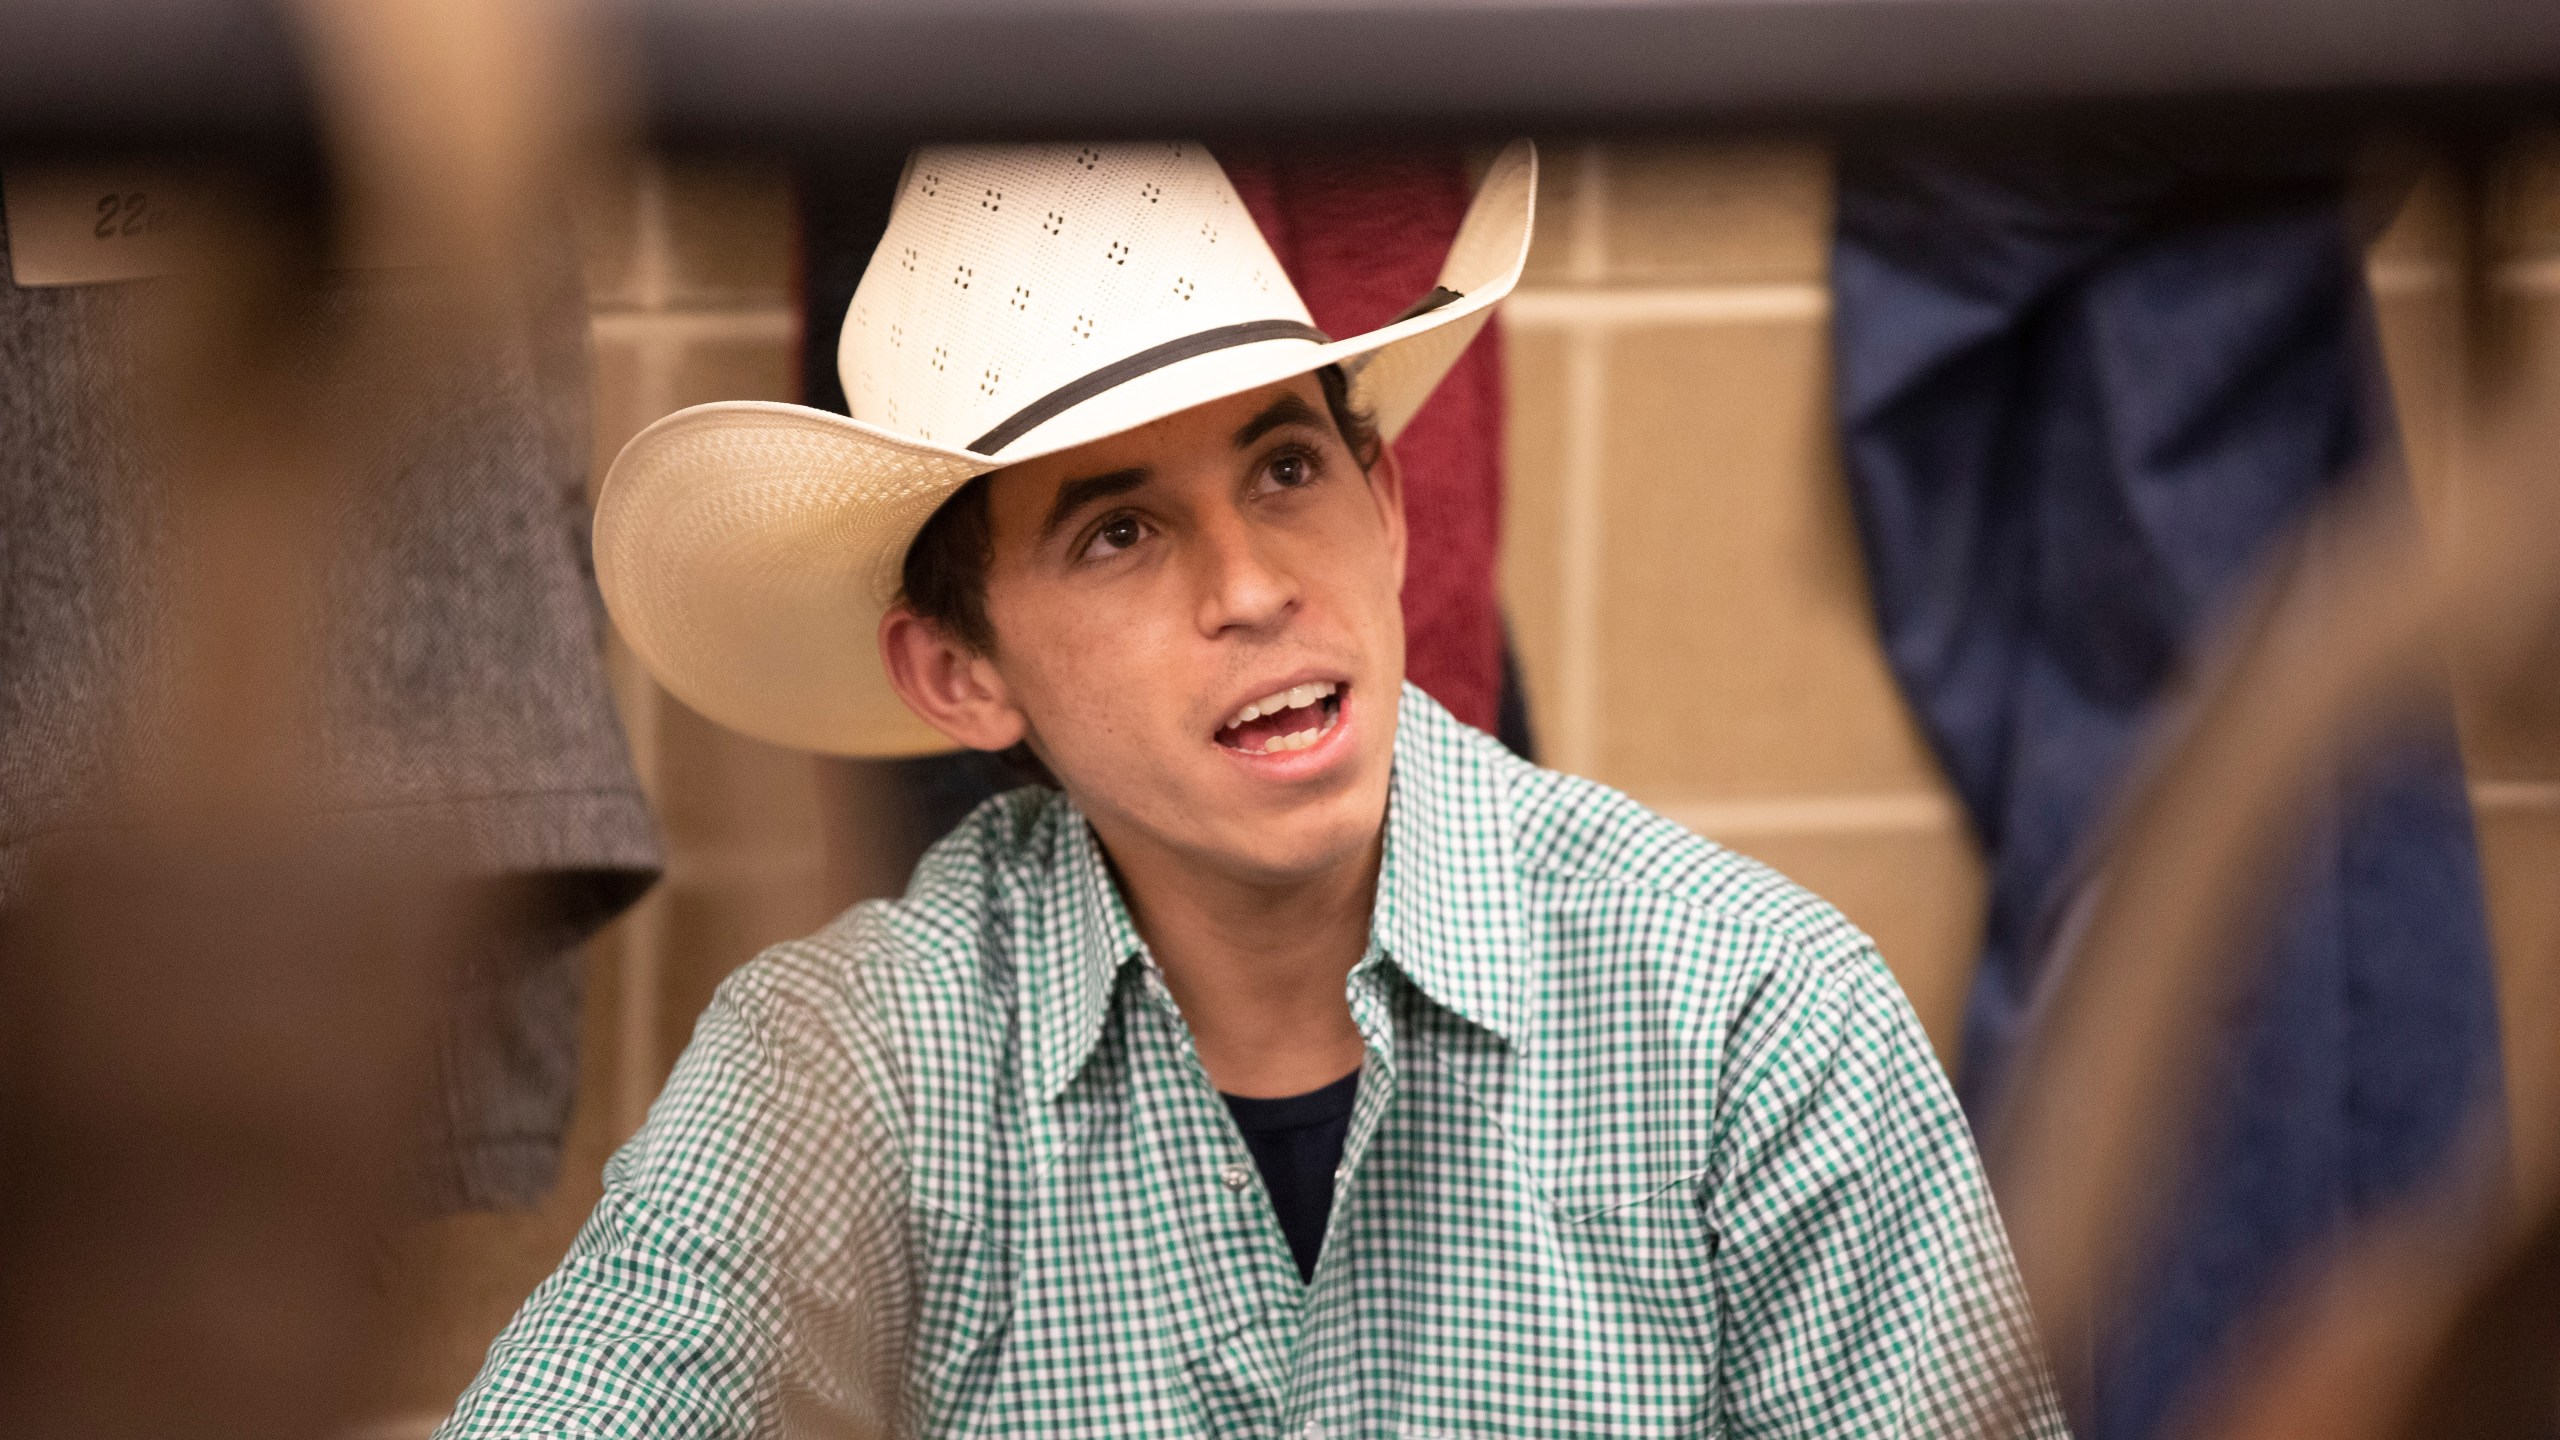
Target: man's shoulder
[(945, 932), (1573, 841), (1578, 832)]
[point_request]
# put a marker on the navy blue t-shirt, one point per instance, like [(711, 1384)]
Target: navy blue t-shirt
[(1296, 1142)]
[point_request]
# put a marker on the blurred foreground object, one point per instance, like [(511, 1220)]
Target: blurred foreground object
[(2439, 1322), (207, 1083), (461, 656), (2339, 650), (220, 977)]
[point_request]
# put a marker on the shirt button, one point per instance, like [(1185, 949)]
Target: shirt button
[(1235, 1177), (1312, 1430)]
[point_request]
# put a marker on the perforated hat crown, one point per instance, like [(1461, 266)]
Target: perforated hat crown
[(1008, 275), (1023, 300)]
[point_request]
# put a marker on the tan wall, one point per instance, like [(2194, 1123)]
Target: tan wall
[(1679, 564)]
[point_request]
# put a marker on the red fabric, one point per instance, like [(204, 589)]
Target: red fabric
[(1362, 234)]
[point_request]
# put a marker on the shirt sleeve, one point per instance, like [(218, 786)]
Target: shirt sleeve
[(746, 1273), (1864, 1284)]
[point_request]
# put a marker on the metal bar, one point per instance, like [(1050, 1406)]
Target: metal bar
[(816, 71), (225, 74), (908, 67)]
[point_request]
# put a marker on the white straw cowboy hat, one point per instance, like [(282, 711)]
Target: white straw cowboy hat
[(1025, 300)]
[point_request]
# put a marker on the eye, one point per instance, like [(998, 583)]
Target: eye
[(1116, 534), (1290, 469)]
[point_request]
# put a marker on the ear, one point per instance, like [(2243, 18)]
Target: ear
[(951, 687), (1386, 483)]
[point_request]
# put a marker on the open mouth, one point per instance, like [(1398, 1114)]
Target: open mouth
[(1290, 719)]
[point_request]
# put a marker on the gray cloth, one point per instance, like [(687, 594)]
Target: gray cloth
[(465, 681)]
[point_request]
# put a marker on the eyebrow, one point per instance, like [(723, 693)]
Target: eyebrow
[(1075, 495), (1287, 410)]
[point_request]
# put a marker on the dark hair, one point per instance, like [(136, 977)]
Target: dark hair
[(944, 579)]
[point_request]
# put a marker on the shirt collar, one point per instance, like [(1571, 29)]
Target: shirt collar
[(1080, 936), (1448, 908)]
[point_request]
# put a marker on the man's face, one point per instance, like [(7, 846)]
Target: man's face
[(1198, 623)]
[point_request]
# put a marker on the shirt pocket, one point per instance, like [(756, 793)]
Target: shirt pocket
[(1647, 1265), (965, 1281)]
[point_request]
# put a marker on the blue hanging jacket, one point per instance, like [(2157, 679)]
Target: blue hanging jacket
[(2083, 386)]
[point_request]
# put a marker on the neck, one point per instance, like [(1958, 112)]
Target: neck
[(1258, 967)]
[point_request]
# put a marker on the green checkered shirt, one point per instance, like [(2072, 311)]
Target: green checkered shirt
[(1647, 1143)]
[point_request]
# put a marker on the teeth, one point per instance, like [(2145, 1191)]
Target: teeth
[(1289, 699), (1298, 741)]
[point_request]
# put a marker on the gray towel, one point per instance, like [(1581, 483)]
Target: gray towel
[(465, 678)]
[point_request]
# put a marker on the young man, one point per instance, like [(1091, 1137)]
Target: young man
[(1304, 1064)]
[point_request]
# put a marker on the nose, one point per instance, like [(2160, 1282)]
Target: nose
[(1243, 585)]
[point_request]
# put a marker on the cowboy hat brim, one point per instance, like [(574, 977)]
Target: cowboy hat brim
[(747, 549)]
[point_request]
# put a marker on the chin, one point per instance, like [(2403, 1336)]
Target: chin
[(1298, 857), (1311, 838)]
